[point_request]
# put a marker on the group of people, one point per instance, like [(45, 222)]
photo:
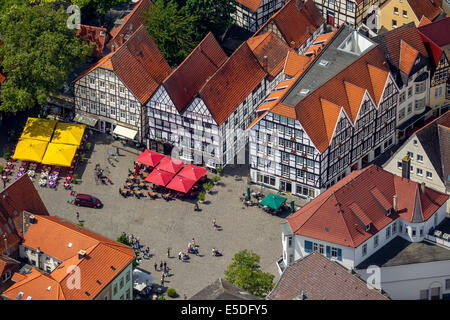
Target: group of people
[(165, 271), (136, 244)]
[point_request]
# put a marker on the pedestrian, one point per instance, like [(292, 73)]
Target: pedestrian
[(117, 151), (179, 255), (156, 265), (4, 183), (78, 216), (165, 265), (160, 266), (168, 252), (162, 281), (196, 208), (215, 224)]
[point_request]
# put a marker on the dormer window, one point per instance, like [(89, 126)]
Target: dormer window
[(388, 213), (367, 227)]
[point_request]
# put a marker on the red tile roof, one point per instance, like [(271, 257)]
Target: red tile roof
[(101, 254), (250, 4), (94, 34), (187, 79), (294, 24), (434, 31), (424, 21), (296, 63), (329, 217), (270, 51), (131, 23), (320, 278), (16, 198), (425, 8), (138, 63), (232, 83), (368, 72), (408, 56)]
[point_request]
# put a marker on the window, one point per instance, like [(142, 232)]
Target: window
[(388, 232), (128, 294), (429, 175), (394, 227), (290, 241), (111, 87), (112, 111), (419, 172), (375, 241), (394, 24), (438, 92), (350, 6), (132, 104), (6, 276), (419, 158), (102, 83), (410, 90), (122, 89), (132, 117), (447, 284), (423, 294), (411, 155), (399, 165), (115, 289), (413, 232), (364, 249), (91, 80), (121, 283), (123, 114), (435, 293), (405, 14)]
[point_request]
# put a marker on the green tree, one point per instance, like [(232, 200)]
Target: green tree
[(123, 239), (5, 5), (245, 273), (100, 6), (37, 54), (171, 30), (212, 15)]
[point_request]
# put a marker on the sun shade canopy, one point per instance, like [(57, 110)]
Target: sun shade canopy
[(192, 172), (30, 150), (38, 129), (149, 158), (59, 154), (68, 133), (81, 118), (125, 132), (159, 177), (171, 165), (273, 201), (180, 184)]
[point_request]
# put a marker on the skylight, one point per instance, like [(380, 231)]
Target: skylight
[(355, 43)]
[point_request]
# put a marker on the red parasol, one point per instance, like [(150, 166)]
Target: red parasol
[(171, 165), (181, 184), (149, 158), (159, 177), (192, 172)]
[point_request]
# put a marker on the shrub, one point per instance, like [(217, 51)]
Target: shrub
[(201, 196), (219, 170), (6, 155), (81, 224), (207, 186), (1, 169), (216, 179), (83, 155), (171, 292), (88, 146), (75, 177), (161, 297)]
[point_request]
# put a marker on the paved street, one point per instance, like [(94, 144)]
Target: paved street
[(160, 224)]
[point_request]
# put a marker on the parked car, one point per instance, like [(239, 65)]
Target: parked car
[(86, 200)]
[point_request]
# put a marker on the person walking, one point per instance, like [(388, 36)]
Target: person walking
[(162, 281), (156, 266), (214, 224), (168, 252), (179, 255), (160, 265), (78, 216), (4, 184), (165, 265)]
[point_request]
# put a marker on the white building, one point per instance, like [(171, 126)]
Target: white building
[(335, 117), (114, 91), (374, 218), (408, 61)]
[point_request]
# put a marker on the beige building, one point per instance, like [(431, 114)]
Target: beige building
[(426, 151), (395, 13)]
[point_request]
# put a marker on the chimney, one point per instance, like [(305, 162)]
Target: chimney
[(265, 64), (406, 167), (6, 244), (31, 219), (395, 203), (308, 30), (422, 187), (81, 254)]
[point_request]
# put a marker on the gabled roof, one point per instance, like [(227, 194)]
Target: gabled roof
[(186, 80), (132, 22), (294, 24), (93, 34), (434, 31), (138, 63), (232, 83), (270, 51), (425, 8), (401, 47), (319, 278), (330, 218), (222, 290), (250, 4), (58, 238), (16, 198), (408, 56), (424, 21)]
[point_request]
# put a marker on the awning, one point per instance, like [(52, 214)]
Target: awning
[(81, 118), (141, 279), (125, 132)]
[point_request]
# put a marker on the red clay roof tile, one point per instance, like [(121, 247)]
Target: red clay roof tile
[(94, 34), (187, 79), (425, 8)]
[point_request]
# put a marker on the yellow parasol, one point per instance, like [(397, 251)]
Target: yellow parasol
[(59, 154), (30, 150), (68, 133), (38, 129)]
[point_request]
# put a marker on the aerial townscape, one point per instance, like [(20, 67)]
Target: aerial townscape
[(246, 150)]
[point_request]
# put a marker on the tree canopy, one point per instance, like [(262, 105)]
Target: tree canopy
[(171, 29), (177, 26), (245, 273), (101, 6), (37, 55)]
